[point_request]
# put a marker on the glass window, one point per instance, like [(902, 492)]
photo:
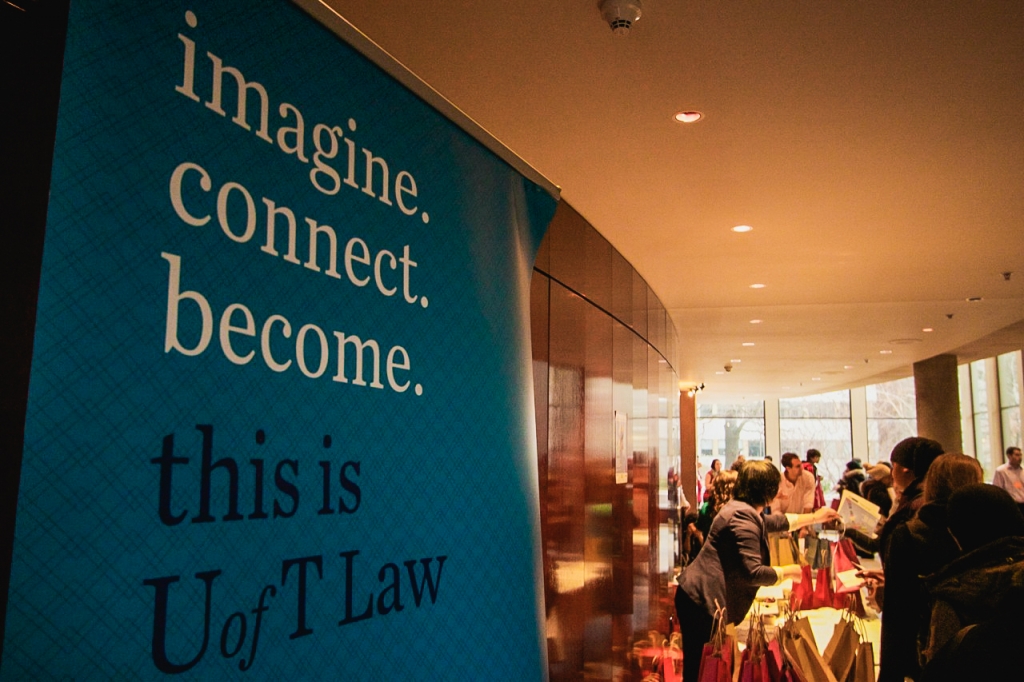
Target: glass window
[(726, 430), (1009, 366), (821, 422), (979, 386), (891, 416), (966, 410), (982, 421)]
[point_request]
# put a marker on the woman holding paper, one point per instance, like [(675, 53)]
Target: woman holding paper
[(734, 562)]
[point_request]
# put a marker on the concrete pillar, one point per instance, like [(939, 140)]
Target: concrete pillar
[(688, 447), (938, 401)]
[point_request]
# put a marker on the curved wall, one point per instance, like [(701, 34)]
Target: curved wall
[(602, 348)]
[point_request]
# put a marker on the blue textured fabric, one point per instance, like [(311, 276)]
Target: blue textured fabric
[(212, 483)]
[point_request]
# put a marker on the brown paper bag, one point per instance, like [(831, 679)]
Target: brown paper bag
[(811, 662), (864, 666), (841, 652), (801, 627)]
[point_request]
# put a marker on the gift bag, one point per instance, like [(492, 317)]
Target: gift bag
[(811, 664), (783, 549), (774, 660), (824, 590), (800, 652), (672, 659), (753, 664), (864, 665), (841, 652), (802, 596), (716, 661)]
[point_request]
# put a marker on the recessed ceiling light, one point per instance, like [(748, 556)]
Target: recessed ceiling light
[(748, 343), (742, 228), (736, 360), (885, 352), (755, 322), (757, 286), (847, 366), (815, 378), (927, 329), (719, 372), (688, 116)]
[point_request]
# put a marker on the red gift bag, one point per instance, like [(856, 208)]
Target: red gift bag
[(716, 658), (672, 660), (802, 596), (844, 558), (753, 665), (773, 659), (824, 589)]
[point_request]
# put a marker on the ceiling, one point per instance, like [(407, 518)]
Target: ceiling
[(876, 148)]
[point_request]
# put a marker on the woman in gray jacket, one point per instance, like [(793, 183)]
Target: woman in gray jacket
[(734, 562)]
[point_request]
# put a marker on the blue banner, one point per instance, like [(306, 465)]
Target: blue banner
[(280, 415)]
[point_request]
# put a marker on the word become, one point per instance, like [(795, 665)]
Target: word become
[(237, 321)]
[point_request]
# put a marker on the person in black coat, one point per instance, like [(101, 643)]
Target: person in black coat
[(921, 546), (977, 598)]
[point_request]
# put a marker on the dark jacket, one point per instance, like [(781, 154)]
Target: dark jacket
[(910, 501), (982, 591), (976, 587), (877, 493), (920, 547), (851, 480), (733, 562)]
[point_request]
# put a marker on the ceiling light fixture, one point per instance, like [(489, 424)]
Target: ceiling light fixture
[(927, 329), (748, 343), (755, 322), (757, 286), (742, 228), (690, 116), (847, 366), (885, 352), (694, 390)]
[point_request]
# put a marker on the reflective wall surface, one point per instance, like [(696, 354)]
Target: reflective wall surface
[(607, 418)]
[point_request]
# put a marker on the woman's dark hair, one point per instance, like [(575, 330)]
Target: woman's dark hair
[(758, 483), (981, 513)]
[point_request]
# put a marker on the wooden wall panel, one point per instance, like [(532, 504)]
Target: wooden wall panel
[(603, 345)]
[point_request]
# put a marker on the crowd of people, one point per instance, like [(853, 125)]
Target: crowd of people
[(950, 547)]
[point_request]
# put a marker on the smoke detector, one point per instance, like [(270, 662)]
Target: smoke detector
[(621, 14)]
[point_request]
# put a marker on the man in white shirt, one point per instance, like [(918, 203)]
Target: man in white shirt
[(1010, 476), (796, 491)]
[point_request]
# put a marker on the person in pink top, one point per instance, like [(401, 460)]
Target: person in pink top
[(796, 490)]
